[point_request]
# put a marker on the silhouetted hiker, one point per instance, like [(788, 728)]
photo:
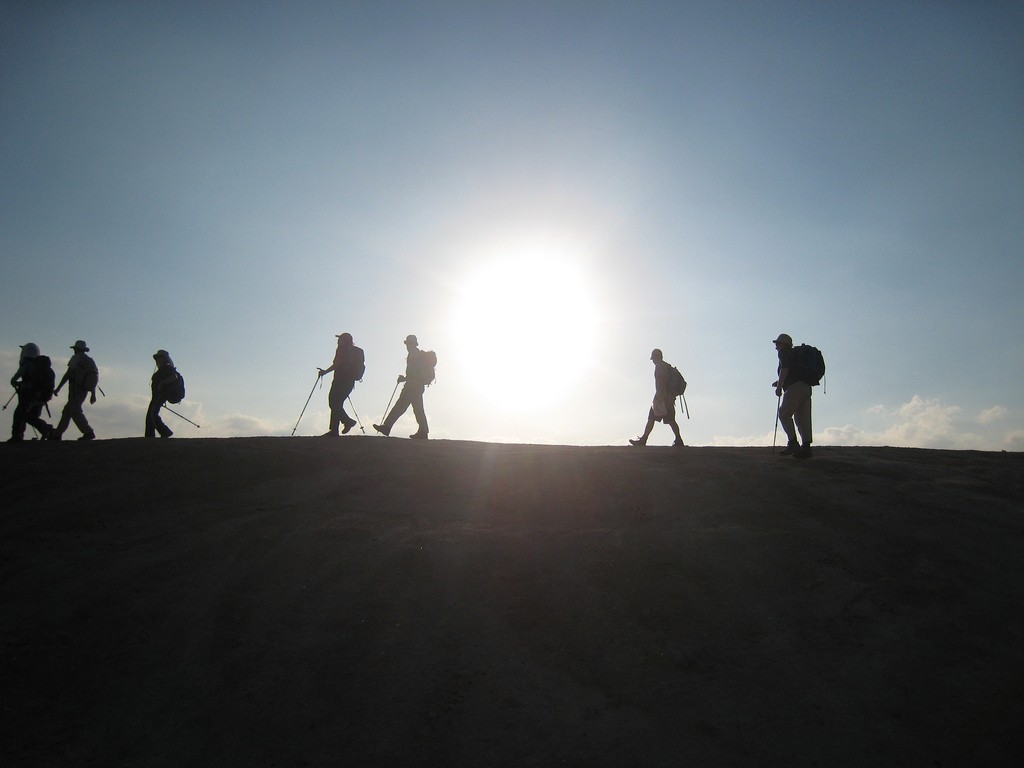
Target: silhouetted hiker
[(82, 377), (795, 405), (419, 372), (163, 379), (34, 385), (663, 408), (349, 366)]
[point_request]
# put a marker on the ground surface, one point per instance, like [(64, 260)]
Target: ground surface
[(385, 602)]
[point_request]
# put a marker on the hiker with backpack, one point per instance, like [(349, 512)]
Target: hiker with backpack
[(349, 366), (800, 368), (34, 386), (668, 384), (167, 386), (419, 373), (82, 377)]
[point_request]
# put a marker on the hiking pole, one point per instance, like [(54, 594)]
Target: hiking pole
[(685, 409), (101, 390), (186, 418), (778, 407), (356, 414), (388, 407), (9, 400), (318, 380)]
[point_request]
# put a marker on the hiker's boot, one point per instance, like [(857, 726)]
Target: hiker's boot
[(679, 443), (638, 442), (329, 433), (804, 452), (790, 449), (418, 436), (55, 435), (384, 430), (347, 426), (87, 436)]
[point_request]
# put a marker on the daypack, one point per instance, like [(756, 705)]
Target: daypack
[(42, 378), (676, 382), (427, 363), (809, 364), (87, 375), (174, 390)]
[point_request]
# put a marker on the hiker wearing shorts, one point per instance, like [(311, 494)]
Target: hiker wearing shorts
[(795, 405), (162, 379), (348, 366), (419, 372), (82, 377), (663, 408)]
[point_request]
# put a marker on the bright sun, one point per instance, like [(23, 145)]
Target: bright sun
[(526, 328)]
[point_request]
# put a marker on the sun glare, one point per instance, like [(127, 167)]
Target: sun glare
[(526, 329)]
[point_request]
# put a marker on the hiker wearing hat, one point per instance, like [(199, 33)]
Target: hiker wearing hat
[(663, 407), (82, 377), (163, 378), (419, 372), (34, 386), (349, 366), (795, 403)]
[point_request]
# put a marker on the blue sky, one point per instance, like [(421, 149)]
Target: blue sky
[(542, 192)]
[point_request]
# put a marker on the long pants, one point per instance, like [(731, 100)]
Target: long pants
[(154, 423), (340, 389), (795, 412), (73, 412), (412, 394), (28, 411)]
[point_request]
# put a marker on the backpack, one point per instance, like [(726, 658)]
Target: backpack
[(676, 382), (87, 375), (174, 390), (42, 378), (809, 364), (427, 364)]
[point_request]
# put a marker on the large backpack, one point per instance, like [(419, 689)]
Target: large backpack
[(426, 364), (174, 390), (42, 378), (809, 364), (676, 382)]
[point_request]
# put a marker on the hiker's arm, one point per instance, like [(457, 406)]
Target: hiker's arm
[(325, 371), (783, 373), (64, 378)]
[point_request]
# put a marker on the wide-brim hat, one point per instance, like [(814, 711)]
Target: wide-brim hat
[(411, 339), (161, 353), (784, 338), (80, 346)]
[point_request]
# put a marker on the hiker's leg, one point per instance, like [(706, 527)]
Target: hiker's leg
[(400, 407), (418, 411), (790, 402), (19, 420), (802, 416), (152, 417), (66, 416), (675, 428)]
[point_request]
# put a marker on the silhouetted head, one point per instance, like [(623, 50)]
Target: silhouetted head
[(656, 355), (162, 356), (411, 341), (29, 351), (344, 339), (784, 339), (80, 346)]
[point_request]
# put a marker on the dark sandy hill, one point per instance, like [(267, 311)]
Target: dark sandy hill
[(371, 602)]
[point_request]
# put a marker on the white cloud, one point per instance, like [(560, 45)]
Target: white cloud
[(992, 415), (929, 423)]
